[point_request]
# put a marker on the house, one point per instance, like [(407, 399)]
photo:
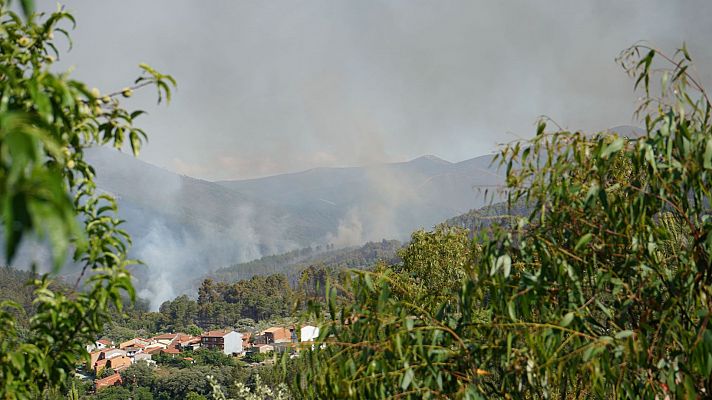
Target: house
[(131, 351), (143, 357), (262, 348), (118, 363), (278, 335), (99, 366), (111, 353), (135, 342), (181, 338), (154, 348), (171, 351), (192, 343), (228, 342), (108, 381), (165, 339), (94, 356), (99, 360), (308, 333)]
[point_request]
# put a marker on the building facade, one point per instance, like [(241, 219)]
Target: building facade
[(228, 342)]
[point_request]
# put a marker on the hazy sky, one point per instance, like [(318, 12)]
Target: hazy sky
[(275, 86)]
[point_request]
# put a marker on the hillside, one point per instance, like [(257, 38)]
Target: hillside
[(293, 262), (184, 227), (359, 204)]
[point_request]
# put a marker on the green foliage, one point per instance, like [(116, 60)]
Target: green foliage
[(105, 373), (47, 192), (14, 287), (212, 357), (257, 392), (193, 330), (113, 393), (258, 298), (175, 361), (433, 266), (254, 357), (139, 374), (123, 393), (178, 314), (141, 393), (601, 290), (179, 382)]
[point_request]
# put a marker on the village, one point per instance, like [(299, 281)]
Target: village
[(105, 355)]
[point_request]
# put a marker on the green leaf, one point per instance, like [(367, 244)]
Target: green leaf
[(28, 7), (584, 240), (612, 148), (566, 320), (707, 157), (507, 265), (511, 310), (407, 378), (624, 334)]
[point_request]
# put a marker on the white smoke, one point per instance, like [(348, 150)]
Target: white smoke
[(349, 232)]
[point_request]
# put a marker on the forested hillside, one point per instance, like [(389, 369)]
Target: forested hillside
[(292, 263)]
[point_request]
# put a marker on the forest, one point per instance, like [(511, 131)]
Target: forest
[(593, 280)]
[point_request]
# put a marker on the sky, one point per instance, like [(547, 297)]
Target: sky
[(268, 87)]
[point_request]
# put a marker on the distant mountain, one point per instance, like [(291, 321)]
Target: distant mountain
[(359, 204), (184, 227)]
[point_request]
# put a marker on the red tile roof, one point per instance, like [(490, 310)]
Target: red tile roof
[(165, 336), (275, 329), (153, 350), (214, 334), (108, 381), (105, 342)]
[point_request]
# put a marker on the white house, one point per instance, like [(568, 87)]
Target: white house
[(143, 357), (308, 333), (227, 342)]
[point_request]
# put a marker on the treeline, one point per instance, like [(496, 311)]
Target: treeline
[(240, 305)]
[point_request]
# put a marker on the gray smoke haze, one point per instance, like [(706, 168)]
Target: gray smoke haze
[(271, 87), (282, 86), (183, 227), (377, 218), (177, 259)]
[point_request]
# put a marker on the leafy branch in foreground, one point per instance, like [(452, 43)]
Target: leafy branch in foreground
[(602, 290), (47, 192)]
